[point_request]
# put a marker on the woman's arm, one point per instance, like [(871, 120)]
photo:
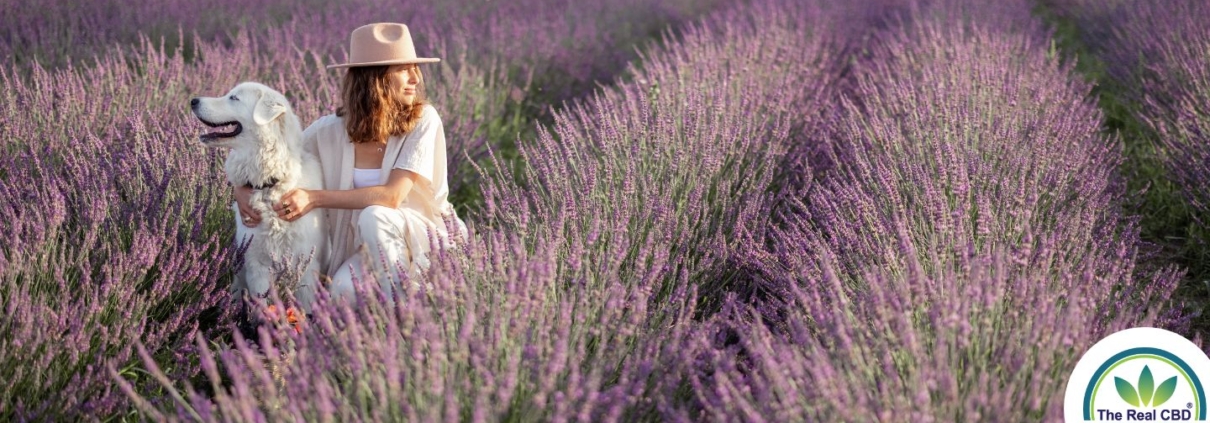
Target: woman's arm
[(299, 202), (399, 184)]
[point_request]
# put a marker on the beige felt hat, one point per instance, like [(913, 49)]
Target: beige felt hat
[(382, 44)]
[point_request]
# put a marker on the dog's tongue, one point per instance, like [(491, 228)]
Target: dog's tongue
[(221, 131)]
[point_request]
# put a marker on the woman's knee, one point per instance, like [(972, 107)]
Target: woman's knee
[(373, 218)]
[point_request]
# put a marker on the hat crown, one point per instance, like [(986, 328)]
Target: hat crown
[(382, 44)]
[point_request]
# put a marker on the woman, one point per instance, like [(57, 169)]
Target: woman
[(384, 163)]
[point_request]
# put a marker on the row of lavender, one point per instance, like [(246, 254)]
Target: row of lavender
[(116, 220), (964, 245), (1155, 59), (1156, 53), (571, 302), (940, 243)]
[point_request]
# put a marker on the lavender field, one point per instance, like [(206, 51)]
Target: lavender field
[(680, 210)]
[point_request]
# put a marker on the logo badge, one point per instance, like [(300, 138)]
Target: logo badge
[(1139, 375)]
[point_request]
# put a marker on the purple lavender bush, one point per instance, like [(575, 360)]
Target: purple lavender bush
[(684, 150), (1142, 41), (987, 337), (1154, 58), (982, 164), (109, 239), (1177, 97), (499, 331), (967, 246)]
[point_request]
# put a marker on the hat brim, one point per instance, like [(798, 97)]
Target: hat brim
[(387, 62)]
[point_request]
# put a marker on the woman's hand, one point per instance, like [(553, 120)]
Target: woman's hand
[(243, 198), (294, 204)]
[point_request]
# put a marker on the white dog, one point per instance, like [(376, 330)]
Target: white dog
[(266, 153)]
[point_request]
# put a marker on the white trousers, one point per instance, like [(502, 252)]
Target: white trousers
[(395, 242)]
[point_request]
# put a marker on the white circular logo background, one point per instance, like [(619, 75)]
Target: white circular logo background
[(1139, 374)]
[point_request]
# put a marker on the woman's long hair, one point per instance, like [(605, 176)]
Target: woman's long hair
[(371, 111)]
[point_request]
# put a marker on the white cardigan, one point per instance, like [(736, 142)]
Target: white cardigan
[(421, 151)]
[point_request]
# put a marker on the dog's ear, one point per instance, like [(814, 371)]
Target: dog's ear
[(269, 107)]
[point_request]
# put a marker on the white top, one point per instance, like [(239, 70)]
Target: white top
[(365, 177)]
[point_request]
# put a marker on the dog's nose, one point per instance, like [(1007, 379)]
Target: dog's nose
[(193, 103)]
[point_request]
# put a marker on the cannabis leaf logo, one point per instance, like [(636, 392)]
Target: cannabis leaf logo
[(1147, 395)]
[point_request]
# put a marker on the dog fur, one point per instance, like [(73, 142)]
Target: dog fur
[(264, 146)]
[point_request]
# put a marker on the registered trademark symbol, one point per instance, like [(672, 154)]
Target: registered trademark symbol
[(1188, 405)]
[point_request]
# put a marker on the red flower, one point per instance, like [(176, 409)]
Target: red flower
[(293, 316)]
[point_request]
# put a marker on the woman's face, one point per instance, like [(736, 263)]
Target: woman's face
[(405, 80)]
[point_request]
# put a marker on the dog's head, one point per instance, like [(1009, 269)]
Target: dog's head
[(244, 115)]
